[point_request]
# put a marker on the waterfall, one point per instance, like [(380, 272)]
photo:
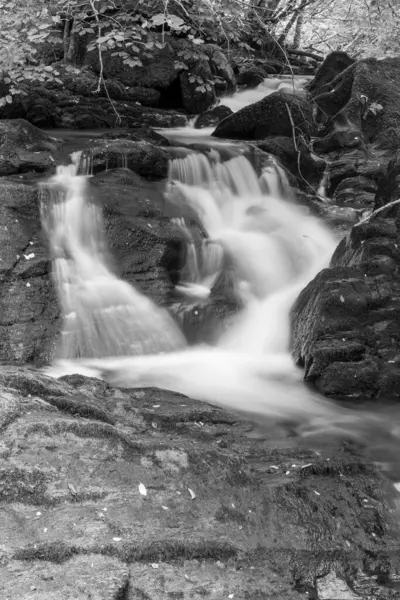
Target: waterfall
[(275, 248), (102, 315)]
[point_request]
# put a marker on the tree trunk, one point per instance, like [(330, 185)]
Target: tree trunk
[(71, 54), (298, 30)]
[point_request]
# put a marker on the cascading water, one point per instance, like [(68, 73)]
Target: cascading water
[(275, 248), (102, 315)]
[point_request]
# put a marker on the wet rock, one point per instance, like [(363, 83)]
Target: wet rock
[(144, 158), (198, 93), (389, 185), (367, 95), (251, 77), (60, 108), (212, 117), (220, 66), (354, 164), (24, 148), (356, 192), (87, 84), (157, 71), (334, 64), (275, 114), (345, 322), (29, 312), (339, 139), (137, 134), (297, 159), (332, 587), (223, 514), (138, 230)]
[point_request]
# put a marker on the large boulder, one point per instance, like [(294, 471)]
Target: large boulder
[(346, 330), (29, 312), (148, 494), (220, 66), (138, 233), (389, 185), (212, 117), (24, 148), (296, 158), (365, 95), (334, 64), (157, 70), (251, 77), (142, 157), (277, 114), (79, 106)]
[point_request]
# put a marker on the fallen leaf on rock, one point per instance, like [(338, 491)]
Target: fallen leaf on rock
[(192, 494), (155, 565), (142, 489), (317, 493), (117, 539), (165, 507), (156, 405), (72, 489)]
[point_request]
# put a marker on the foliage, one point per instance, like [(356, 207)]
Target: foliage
[(134, 29), (360, 27)]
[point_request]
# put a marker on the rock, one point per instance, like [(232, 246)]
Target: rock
[(197, 89), (212, 117), (220, 66), (142, 157), (389, 185), (296, 159), (355, 163), (356, 192), (25, 148), (339, 139), (220, 87), (86, 84), (29, 315), (57, 108), (334, 64), (223, 514), (345, 322), (251, 77), (367, 95), (137, 134), (268, 117), (157, 71), (138, 235), (332, 587)]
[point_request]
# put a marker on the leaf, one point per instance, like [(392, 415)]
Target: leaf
[(9, 99), (192, 494), (142, 489)]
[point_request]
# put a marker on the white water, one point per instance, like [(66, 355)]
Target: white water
[(237, 101), (118, 334), (289, 85), (102, 314)]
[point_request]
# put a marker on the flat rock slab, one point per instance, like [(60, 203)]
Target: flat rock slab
[(140, 494)]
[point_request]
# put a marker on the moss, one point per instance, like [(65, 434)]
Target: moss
[(84, 429), (226, 514), (55, 552), (24, 485), (81, 407)]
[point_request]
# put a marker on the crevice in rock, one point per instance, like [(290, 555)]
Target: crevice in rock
[(171, 97)]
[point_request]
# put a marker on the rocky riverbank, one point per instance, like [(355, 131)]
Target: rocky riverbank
[(145, 493)]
